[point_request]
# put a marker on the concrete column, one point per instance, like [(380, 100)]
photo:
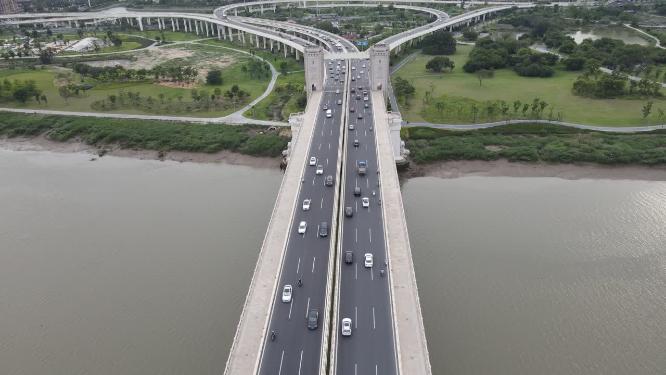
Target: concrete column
[(224, 34), (256, 39), (264, 42), (207, 31), (189, 25), (284, 48), (236, 12), (242, 36), (219, 33), (196, 26), (231, 34), (140, 23), (271, 44), (177, 24), (262, 8), (297, 55), (173, 25)]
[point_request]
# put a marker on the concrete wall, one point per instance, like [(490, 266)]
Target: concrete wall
[(314, 68), (379, 67)]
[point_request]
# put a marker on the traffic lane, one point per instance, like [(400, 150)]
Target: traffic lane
[(312, 338)]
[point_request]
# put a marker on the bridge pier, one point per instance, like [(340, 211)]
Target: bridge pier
[(314, 68), (379, 67)]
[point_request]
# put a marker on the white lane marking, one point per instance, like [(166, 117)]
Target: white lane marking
[(355, 369), (355, 317), (307, 308), (322, 132), (319, 146), (298, 266), (329, 146), (355, 234), (321, 205), (327, 162), (300, 362), (331, 131), (373, 317), (356, 182), (355, 271), (291, 304), (376, 369), (365, 133), (281, 359), (366, 147), (317, 230), (370, 234), (313, 180), (313, 263), (356, 203), (372, 274)]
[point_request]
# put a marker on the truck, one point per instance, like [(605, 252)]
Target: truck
[(361, 166)]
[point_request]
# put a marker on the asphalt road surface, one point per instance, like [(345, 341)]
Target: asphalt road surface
[(296, 349), (364, 292)]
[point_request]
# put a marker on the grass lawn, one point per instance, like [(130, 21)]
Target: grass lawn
[(459, 86), (274, 107), (275, 59), (45, 80), (170, 36)]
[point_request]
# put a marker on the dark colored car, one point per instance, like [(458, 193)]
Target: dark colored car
[(313, 319), (357, 191), (360, 115), (323, 229), (328, 181), (349, 212), (358, 97), (349, 257)]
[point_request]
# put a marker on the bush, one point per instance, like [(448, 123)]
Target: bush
[(439, 43), (214, 77)]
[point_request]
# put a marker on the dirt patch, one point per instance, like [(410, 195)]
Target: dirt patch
[(494, 148), (456, 169), (152, 57), (42, 143)]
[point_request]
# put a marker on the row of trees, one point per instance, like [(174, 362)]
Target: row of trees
[(117, 73), (492, 110), (489, 54), (599, 85), (20, 91)]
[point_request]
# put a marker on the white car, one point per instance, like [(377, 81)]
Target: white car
[(346, 327), (353, 68), (366, 202), (365, 98), (363, 66), (306, 204), (358, 77), (351, 126), (320, 169), (313, 161), (368, 260), (337, 91), (302, 226), (286, 293), (339, 102)]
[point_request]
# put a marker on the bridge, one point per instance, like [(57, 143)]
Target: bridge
[(338, 237)]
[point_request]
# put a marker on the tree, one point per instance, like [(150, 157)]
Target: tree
[(214, 77), (439, 43), (439, 63), (46, 56), (283, 67), (440, 107), (470, 35), (403, 88), (647, 108), (484, 74)]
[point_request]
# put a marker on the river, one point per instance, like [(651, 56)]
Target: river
[(540, 275), (124, 266)]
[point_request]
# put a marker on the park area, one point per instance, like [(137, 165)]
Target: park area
[(450, 97)]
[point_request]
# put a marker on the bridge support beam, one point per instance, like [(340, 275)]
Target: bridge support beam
[(314, 68), (138, 19)]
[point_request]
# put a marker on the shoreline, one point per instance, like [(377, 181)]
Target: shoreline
[(41, 143), (505, 168)]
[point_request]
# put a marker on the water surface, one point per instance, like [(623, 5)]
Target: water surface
[(540, 275), (122, 266), (626, 35)]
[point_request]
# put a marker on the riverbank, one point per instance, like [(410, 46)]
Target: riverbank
[(42, 143), (505, 168)]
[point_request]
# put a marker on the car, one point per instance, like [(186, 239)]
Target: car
[(358, 97), (353, 78), (339, 101), (357, 191), (286, 293), (368, 260), (366, 105), (371, 128), (346, 327), (320, 169), (360, 88), (302, 226), (360, 116), (358, 77), (365, 92), (362, 71), (349, 257), (356, 143), (351, 126), (325, 108), (363, 66), (349, 212), (352, 109), (353, 68), (313, 161), (328, 181), (306, 204), (313, 319), (366, 202), (365, 98), (323, 229), (337, 91)]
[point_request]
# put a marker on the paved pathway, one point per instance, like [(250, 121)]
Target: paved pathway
[(609, 129)]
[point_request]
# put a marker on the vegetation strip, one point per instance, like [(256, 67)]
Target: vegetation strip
[(147, 134), (536, 143)]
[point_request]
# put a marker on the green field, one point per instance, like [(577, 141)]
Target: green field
[(460, 87), (277, 106)]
